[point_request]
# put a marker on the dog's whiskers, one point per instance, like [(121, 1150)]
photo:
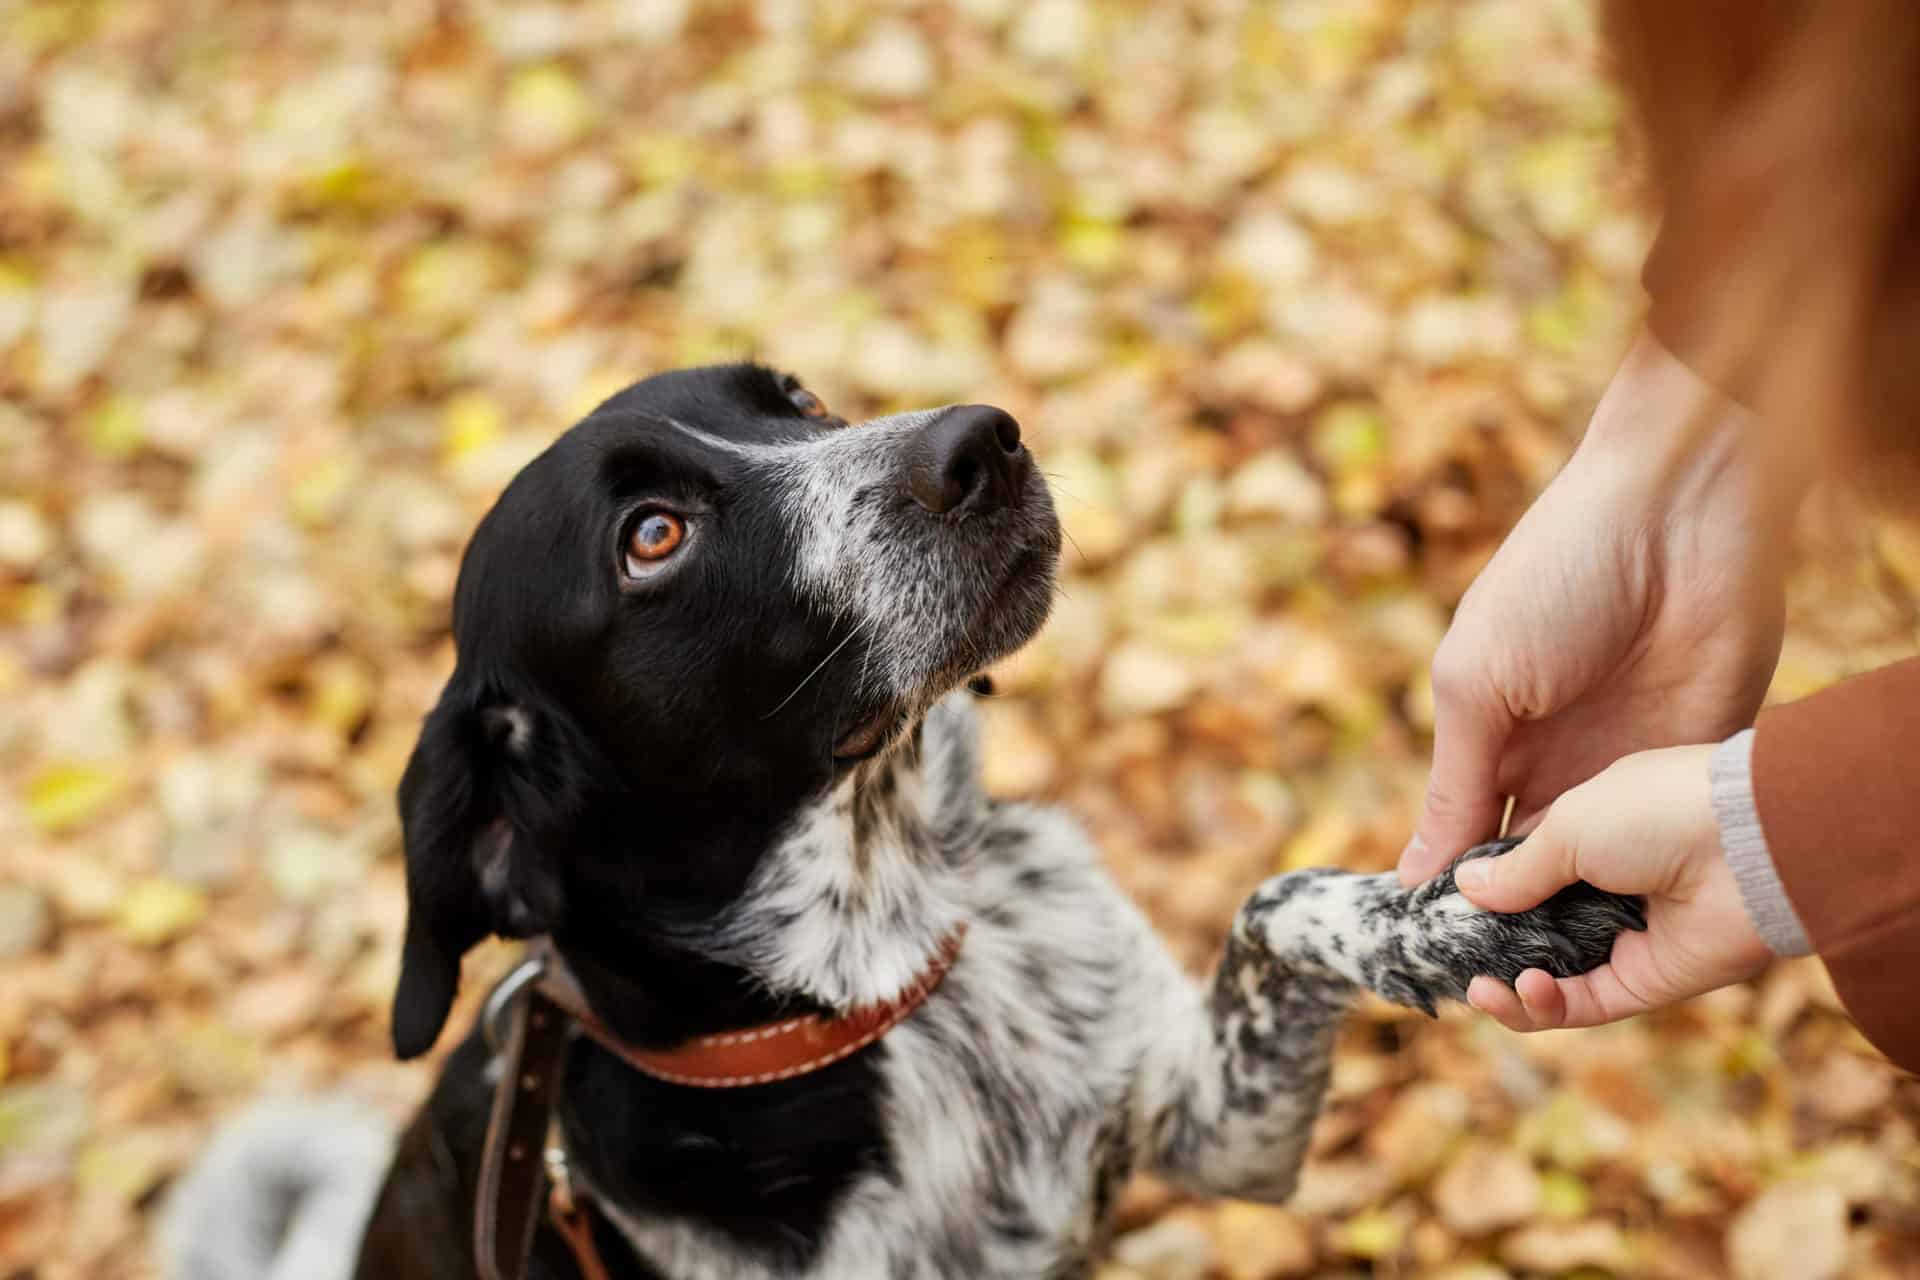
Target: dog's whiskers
[(808, 678), (866, 659), (1064, 531)]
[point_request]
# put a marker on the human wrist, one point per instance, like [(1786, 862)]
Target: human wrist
[(1679, 445), (1662, 417)]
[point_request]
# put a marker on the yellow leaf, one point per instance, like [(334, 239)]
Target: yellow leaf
[(546, 107), (1350, 438), (1197, 633), (1557, 177), (158, 911), (978, 265), (114, 430), (1572, 1131), (1374, 1233), (29, 604), (1229, 303), (1753, 1054), (123, 1166), (660, 160), (448, 279), (601, 386), (346, 182), (802, 179), (1321, 844), (1419, 701), (321, 486), (472, 421), (1796, 677), (1093, 244), (63, 797), (213, 1060), (1564, 322), (340, 693), (1563, 1195)]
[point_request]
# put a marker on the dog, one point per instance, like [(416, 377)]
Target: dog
[(709, 733)]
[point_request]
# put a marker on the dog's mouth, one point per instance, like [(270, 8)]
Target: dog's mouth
[(871, 732), (977, 632)]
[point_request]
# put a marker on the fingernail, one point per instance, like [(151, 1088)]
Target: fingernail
[(1411, 872), (1472, 875)]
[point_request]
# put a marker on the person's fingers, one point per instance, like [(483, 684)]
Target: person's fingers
[(1599, 997), (1498, 1001), (1533, 1003), (1538, 1001), (1463, 804), (1542, 998), (1529, 874)]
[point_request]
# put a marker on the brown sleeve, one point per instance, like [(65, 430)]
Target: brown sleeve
[(1782, 138), (1836, 779)]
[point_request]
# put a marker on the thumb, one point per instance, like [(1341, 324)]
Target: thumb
[(1525, 876), (1463, 804)]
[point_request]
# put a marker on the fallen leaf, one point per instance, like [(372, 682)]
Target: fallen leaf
[(1792, 1231), (1487, 1188), (155, 912), (63, 797)]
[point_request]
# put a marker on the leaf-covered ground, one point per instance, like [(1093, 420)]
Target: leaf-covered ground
[(1298, 302)]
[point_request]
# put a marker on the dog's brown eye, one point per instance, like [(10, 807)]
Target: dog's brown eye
[(656, 535), (807, 402)]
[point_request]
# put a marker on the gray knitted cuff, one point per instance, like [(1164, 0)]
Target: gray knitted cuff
[(1731, 774)]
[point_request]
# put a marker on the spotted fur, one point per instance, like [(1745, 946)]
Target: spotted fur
[(1065, 1049), (655, 773)]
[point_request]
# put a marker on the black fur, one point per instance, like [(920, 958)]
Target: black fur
[(729, 790), (605, 765)]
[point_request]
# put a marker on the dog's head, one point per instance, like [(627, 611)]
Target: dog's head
[(691, 615)]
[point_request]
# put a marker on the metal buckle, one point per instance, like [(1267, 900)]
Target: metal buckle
[(559, 1172), (500, 1000)]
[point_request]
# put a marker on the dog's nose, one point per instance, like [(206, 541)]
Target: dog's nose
[(970, 456)]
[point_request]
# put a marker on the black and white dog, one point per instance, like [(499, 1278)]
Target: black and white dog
[(708, 733)]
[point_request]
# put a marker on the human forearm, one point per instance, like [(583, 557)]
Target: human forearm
[(1836, 780)]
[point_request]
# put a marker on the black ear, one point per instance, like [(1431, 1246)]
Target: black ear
[(474, 862)]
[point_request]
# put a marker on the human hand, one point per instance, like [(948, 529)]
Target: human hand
[(1645, 825), (1639, 603)]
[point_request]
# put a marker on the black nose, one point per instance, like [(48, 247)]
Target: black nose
[(969, 456)]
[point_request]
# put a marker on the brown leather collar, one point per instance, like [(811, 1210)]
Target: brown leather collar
[(529, 1019), (756, 1055)]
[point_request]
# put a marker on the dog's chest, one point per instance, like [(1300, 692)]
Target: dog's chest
[(1002, 1103)]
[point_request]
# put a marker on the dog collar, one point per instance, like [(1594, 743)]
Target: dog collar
[(529, 1019), (754, 1055)]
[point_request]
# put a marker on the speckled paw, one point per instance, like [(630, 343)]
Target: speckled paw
[(1570, 933)]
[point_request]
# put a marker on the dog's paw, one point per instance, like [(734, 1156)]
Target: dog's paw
[(1420, 946), (1450, 941)]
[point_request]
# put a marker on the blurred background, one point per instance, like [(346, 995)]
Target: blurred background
[(1298, 304)]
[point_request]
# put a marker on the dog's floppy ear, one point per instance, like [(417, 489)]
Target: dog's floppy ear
[(470, 814)]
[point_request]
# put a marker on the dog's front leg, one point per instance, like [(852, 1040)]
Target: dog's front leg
[(1237, 1100), (1231, 1079)]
